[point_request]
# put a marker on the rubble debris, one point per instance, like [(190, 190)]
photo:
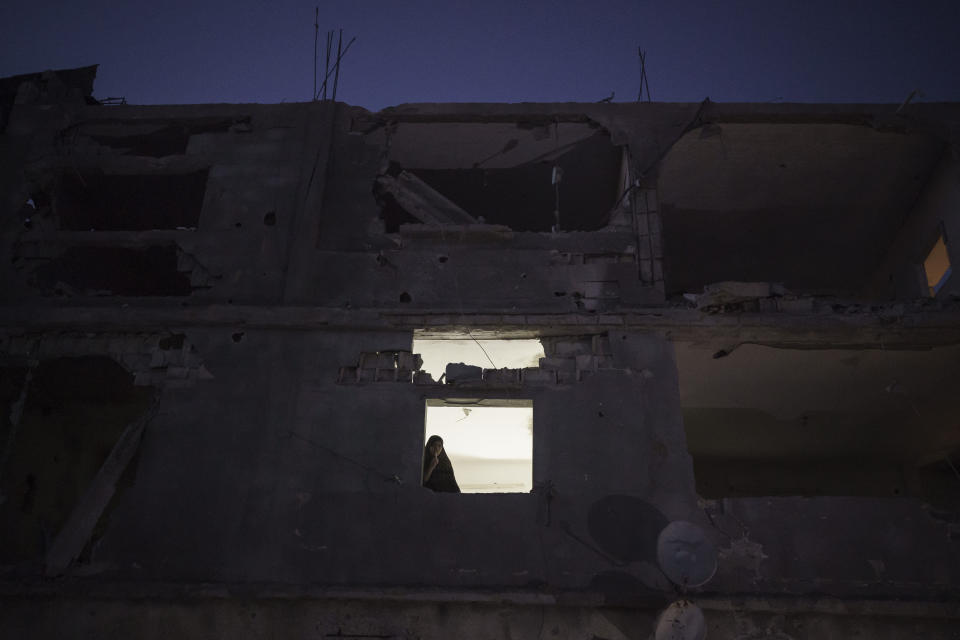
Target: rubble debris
[(731, 292), (458, 373), (421, 201), (501, 376)]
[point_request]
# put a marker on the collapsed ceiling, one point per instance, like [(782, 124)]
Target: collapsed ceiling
[(814, 206), (502, 173)]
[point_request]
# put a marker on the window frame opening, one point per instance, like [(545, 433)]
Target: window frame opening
[(478, 474)]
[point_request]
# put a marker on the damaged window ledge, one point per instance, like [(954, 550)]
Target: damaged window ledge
[(445, 232)]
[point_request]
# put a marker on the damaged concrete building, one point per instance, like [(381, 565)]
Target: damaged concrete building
[(214, 413)]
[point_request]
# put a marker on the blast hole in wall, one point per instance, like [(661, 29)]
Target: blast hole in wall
[(114, 271), (110, 202), (76, 409), (501, 174), (484, 353)]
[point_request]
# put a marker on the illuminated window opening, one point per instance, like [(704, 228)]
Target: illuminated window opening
[(487, 354), (489, 442), (937, 266)]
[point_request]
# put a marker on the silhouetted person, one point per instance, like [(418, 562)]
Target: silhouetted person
[(437, 469)]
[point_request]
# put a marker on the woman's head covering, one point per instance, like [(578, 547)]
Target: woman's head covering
[(442, 478)]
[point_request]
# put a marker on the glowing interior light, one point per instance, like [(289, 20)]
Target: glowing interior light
[(937, 266), (490, 447)]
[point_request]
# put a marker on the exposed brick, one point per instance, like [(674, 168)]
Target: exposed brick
[(501, 376), (655, 224), (423, 378), (94, 344), (601, 345), (646, 271), (139, 343), (459, 372), (656, 245), (561, 347), (381, 360), (158, 359), (411, 361), (136, 362), (536, 376), (657, 270), (190, 358), (603, 362), (386, 375), (556, 363), (148, 378), (644, 249), (347, 375), (601, 289), (201, 373), (599, 304), (796, 305), (586, 362)]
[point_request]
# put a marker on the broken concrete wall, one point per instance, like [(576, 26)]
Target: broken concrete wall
[(812, 205), (465, 265), (283, 474), (763, 421), (266, 463), (758, 547), (215, 187), (67, 415), (306, 480)]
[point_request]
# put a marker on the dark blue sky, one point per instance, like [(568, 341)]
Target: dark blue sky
[(494, 51)]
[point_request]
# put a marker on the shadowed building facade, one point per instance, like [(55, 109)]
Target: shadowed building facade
[(213, 415)]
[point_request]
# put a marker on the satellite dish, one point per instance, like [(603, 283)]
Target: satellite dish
[(682, 620), (685, 554)]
